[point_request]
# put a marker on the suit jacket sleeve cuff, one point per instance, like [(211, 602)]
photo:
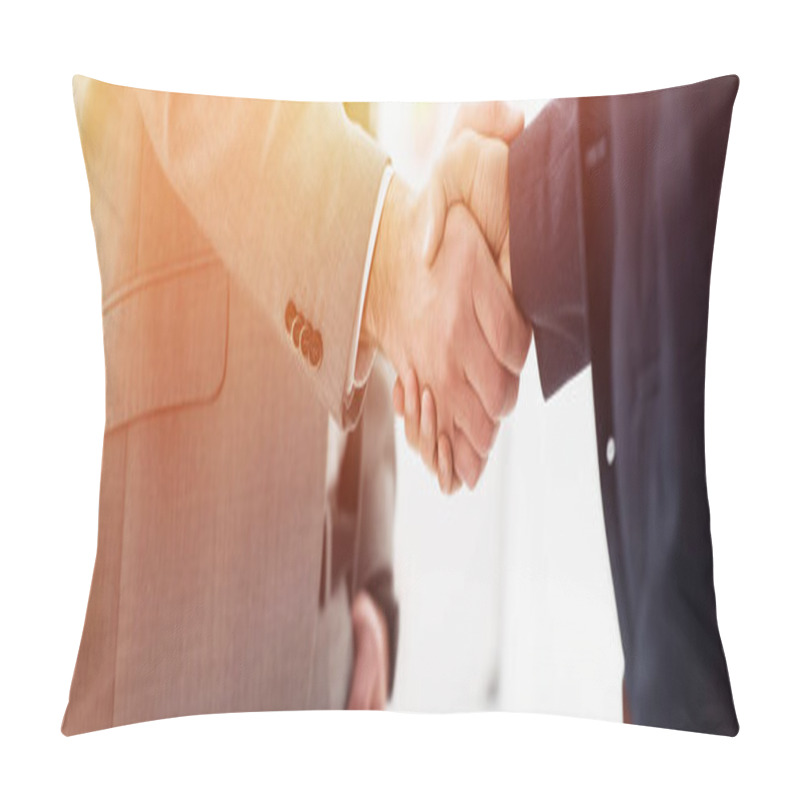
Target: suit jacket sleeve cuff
[(546, 241)]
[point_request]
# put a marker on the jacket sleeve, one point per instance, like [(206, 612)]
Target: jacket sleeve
[(546, 241), (286, 193)]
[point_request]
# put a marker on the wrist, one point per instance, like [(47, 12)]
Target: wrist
[(392, 251)]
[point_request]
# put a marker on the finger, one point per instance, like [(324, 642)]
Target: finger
[(411, 402), (507, 332), (451, 182), (495, 386), (471, 417), (427, 430), (398, 400), (471, 171), (494, 119), (468, 464), (448, 482)]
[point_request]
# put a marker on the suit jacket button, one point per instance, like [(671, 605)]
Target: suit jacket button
[(291, 313), (306, 336), (315, 349), (611, 450), (297, 329)]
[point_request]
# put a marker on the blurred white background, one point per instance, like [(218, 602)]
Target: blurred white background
[(505, 592)]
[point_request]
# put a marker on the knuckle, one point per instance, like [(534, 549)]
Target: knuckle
[(497, 151)]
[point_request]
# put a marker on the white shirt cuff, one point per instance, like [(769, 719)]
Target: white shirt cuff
[(362, 356)]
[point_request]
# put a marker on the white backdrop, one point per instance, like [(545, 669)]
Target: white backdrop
[(51, 412), (505, 592)]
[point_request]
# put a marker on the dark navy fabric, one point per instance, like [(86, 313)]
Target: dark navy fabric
[(613, 214)]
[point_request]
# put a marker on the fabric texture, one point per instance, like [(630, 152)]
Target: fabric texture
[(209, 592), (248, 486), (613, 214)]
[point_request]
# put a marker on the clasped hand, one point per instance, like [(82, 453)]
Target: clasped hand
[(439, 304)]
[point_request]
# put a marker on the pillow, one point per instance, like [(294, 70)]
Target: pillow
[(245, 555)]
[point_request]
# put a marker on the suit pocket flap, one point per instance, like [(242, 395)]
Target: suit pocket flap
[(166, 343)]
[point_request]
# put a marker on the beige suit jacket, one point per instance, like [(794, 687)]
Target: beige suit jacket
[(232, 237)]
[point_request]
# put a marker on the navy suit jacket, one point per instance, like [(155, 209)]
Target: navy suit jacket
[(612, 219)]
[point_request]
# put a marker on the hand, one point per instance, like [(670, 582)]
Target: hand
[(473, 174), (420, 422), (455, 325), (473, 171), (452, 324), (369, 687)]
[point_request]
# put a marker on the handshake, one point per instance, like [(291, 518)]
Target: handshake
[(439, 303)]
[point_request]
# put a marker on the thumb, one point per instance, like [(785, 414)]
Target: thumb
[(497, 120), (453, 177), (450, 183)]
